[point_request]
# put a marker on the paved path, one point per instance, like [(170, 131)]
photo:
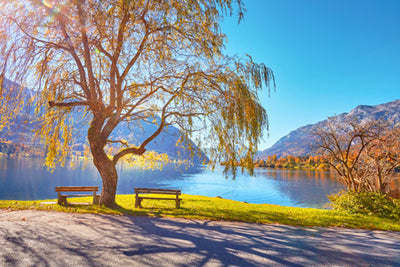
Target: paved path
[(35, 238)]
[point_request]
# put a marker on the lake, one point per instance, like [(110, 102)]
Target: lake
[(27, 179)]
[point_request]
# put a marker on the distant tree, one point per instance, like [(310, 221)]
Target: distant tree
[(129, 61), (364, 154), (260, 163), (290, 159), (380, 160)]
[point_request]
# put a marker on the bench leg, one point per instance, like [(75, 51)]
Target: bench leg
[(59, 198), (138, 201), (62, 200), (178, 203), (96, 199)]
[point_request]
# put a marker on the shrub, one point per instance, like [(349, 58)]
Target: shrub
[(366, 203)]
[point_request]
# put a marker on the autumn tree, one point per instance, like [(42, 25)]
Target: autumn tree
[(380, 160), (363, 153), (125, 61)]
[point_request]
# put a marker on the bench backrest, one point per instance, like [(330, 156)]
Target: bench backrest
[(76, 188), (157, 191)]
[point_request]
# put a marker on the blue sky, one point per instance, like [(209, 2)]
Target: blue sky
[(328, 56)]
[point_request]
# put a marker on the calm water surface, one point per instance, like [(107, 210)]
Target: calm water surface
[(27, 179)]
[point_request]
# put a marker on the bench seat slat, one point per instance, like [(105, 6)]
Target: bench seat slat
[(78, 195), (159, 189), (159, 193), (80, 187), (161, 198), (76, 188)]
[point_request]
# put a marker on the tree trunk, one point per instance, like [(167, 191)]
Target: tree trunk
[(109, 176), (104, 165)]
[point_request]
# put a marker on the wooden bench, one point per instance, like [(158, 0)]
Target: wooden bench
[(62, 199), (138, 201)]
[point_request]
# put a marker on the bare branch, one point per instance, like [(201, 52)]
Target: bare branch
[(131, 150), (67, 104), (118, 141), (88, 60)]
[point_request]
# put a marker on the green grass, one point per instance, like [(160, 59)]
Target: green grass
[(207, 208)]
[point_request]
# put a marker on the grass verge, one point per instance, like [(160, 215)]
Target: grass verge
[(208, 208)]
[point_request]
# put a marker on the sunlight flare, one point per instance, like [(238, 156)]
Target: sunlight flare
[(47, 3)]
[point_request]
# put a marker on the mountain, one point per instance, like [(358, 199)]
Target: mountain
[(21, 128), (299, 141)]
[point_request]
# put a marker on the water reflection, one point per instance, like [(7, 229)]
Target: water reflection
[(27, 179), (280, 187), (306, 188)]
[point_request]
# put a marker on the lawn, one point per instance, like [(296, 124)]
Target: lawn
[(208, 208)]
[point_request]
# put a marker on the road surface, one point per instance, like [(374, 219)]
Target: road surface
[(39, 238)]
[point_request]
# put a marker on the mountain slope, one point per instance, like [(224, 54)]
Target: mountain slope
[(299, 141), (21, 128)]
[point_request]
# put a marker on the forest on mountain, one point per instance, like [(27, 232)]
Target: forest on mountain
[(293, 162)]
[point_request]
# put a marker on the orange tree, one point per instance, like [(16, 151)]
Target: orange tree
[(380, 160), (126, 61), (365, 153)]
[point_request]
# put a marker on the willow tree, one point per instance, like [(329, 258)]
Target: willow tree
[(126, 61)]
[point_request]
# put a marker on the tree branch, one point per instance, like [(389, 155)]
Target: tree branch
[(88, 60), (67, 104), (118, 141), (131, 150)]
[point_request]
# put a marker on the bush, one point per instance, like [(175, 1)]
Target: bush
[(396, 210), (366, 203)]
